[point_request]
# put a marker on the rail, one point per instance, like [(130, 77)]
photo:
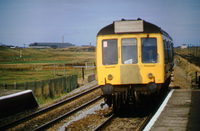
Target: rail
[(106, 122), (44, 110), (44, 126)]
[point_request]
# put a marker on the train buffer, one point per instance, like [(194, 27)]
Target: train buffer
[(13, 101)]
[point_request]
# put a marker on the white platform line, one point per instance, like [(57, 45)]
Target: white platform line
[(155, 117)]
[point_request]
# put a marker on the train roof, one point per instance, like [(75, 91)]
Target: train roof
[(131, 27)]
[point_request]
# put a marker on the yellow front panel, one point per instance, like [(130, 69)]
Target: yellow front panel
[(138, 74), (103, 73), (130, 73), (104, 70)]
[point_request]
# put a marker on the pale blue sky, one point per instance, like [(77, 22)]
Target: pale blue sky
[(28, 21)]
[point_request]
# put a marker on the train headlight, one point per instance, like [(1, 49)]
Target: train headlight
[(150, 75), (110, 77)]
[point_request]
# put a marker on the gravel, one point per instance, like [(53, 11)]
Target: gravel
[(83, 117)]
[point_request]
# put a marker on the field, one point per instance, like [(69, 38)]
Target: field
[(38, 64), (188, 61), (192, 54), (42, 64), (20, 65)]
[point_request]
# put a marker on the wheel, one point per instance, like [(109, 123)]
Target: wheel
[(124, 97), (117, 102)]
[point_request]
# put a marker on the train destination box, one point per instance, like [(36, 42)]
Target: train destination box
[(12, 102), (128, 26)]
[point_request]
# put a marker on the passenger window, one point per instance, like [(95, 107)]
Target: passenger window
[(149, 50), (109, 52), (129, 51)]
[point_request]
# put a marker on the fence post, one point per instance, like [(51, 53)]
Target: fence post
[(49, 84), (76, 81), (60, 85), (86, 65), (72, 82), (83, 73), (54, 81), (15, 85), (4, 86), (64, 84), (199, 82), (54, 71), (42, 87), (25, 85), (64, 69), (50, 90), (34, 87), (69, 83), (196, 78), (73, 87)]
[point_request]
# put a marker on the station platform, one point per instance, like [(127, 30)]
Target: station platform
[(180, 111), (14, 101)]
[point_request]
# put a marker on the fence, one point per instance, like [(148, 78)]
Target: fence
[(196, 83), (47, 88)]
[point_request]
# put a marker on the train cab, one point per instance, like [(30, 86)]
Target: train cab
[(133, 57)]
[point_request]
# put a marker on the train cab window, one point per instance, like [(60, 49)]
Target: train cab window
[(109, 52), (149, 50), (129, 51)]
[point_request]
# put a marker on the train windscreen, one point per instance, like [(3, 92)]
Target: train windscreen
[(149, 50), (129, 51), (109, 52)]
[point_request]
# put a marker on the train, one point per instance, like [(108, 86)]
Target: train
[(134, 58)]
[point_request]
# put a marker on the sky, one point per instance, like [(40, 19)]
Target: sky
[(27, 21)]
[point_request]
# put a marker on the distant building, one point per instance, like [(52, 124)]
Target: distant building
[(184, 46), (40, 45)]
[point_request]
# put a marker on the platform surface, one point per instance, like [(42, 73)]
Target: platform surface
[(181, 112), (8, 92), (12, 102), (194, 115)]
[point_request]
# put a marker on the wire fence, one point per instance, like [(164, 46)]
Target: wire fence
[(46, 88)]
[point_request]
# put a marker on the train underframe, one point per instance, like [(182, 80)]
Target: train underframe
[(117, 96)]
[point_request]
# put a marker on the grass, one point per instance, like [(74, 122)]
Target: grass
[(12, 56), (189, 61), (38, 64), (184, 73), (192, 54), (43, 100)]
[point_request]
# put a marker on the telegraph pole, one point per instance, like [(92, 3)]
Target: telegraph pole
[(64, 69), (20, 54), (63, 39)]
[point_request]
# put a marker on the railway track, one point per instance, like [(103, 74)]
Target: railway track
[(119, 123), (44, 126), (131, 120), (46, 117)]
